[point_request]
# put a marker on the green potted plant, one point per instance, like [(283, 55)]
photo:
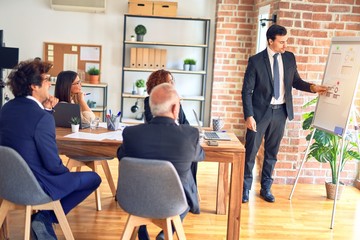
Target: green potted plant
[(140, 84), (326, 148), (187, 62), (140, 31), (94, 74), (192, 63), (75, 124)]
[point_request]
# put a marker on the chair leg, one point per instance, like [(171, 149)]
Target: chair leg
[(178, 228), (5, 229), (129, 230), (64, 224), (168, 234), (108, 175), (4, 226), (4, 209), (93, 166), (28, 212), (135, 233)]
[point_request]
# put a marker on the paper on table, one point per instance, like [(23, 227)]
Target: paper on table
[(115, 135), (88, 136)]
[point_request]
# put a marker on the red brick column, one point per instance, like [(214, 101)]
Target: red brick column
[(311, 25)]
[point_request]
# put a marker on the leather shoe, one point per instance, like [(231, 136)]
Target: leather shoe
[(266, 195), (245, 196)]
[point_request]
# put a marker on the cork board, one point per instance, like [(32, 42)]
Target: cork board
[(75, 57)]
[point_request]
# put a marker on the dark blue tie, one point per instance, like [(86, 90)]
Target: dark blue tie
[(276, 77)]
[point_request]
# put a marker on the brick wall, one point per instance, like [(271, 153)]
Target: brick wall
[(311, 24)]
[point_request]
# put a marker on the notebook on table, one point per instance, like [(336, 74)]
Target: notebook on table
[(212, 135), (63, 112)]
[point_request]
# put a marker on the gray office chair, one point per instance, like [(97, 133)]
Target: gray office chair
[(19, 187), (151, 192), (93, 162)]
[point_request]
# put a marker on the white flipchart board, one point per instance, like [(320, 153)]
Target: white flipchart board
[(341, 76)]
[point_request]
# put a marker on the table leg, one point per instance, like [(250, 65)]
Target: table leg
[(222, 188), (235, 196)]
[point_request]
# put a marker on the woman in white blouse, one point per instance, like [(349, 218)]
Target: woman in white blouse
[(68, 89)]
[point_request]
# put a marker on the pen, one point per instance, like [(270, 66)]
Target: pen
[(118, 115), (85, 94)]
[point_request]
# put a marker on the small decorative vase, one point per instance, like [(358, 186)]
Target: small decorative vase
[(94, 79), (133, 38), (192, 67), (141, 91), (75, 128), (139, 38), (186, 67)]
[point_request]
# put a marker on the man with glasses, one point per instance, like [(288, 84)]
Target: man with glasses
[(267, 102), (29, 129)]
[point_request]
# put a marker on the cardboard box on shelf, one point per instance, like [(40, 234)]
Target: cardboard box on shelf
[(140, 7), (162, 8)]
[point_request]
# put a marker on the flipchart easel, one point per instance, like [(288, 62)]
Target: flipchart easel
[(342, 74)]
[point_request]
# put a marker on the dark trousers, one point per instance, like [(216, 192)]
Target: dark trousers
[(89, 182), (271, 128)]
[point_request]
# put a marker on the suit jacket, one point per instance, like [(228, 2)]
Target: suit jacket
[(258, 86), (163, 139), (30, 130), (149, 116)]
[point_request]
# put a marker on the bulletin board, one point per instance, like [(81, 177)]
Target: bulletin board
[(75, 57), (342, 74)]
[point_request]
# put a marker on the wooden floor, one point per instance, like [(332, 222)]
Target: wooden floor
[(307, 216)]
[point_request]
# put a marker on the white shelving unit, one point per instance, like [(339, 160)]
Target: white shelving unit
[(182, 37)]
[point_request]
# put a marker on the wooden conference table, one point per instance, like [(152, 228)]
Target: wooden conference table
[(228, 152)]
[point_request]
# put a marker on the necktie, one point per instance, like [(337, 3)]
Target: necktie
[(276, 77)]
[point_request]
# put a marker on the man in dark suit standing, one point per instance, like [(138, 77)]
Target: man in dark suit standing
[(267, 102), (162, 138), (28, 128)]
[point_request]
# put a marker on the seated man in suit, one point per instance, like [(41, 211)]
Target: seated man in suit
[(29, 129), (163, 139)]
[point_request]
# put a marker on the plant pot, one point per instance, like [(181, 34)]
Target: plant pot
[(139, 38), (141, 91), (94, 79), (186, 67), (75, 128), (331, 189), (192, 67)]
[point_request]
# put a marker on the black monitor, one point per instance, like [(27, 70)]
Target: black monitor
[(9, 57)]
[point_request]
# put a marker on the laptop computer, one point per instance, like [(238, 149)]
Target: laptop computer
[(212, 135), (63, 112)]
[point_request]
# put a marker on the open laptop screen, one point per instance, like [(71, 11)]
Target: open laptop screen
[(63, 112)]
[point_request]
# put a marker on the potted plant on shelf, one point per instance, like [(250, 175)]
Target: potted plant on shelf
[(75, 124), (192, 63), (140, 84), (94, 74), (140, 31), (326, 148), (187, 64)]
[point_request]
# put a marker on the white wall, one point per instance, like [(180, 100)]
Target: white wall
[(29, 23)]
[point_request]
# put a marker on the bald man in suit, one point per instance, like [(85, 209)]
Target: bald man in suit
[(267, 103), (162, 138)]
